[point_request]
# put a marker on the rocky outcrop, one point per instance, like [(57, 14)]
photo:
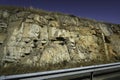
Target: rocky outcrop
[(39, 38)]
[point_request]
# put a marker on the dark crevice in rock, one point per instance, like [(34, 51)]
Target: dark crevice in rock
[(43, 44), (62, 43), (8, 54), (27, 54), (60, 38), (26, 42), (107, 39), (1, 43), (35, 40), (52, 40)]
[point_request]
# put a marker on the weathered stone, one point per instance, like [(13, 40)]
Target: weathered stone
[(38, 39), (22, 14), (5, 14), (53, 24), (2, 37), (55, 54), (31, 16), (44, 33), (43, 20), (105, 30), (29, 21), (36, 18), (3, 25)]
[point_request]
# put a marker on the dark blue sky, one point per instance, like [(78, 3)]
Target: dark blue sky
[(103, 10)]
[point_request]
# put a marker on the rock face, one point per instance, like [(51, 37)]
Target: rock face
[(39, 38)]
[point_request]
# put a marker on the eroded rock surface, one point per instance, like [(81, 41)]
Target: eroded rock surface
[(38, 39)]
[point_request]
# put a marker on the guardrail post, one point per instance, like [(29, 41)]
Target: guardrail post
[(91, 76)]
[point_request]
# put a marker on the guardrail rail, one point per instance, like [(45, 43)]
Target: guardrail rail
[(63, 72)]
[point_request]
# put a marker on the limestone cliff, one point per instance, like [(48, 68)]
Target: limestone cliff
[(39, 38)]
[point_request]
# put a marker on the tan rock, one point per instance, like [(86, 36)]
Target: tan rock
[(53, 24), (55, 54), (41, 38), (5, 14)]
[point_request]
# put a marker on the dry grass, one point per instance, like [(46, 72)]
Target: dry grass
[(20, 69)]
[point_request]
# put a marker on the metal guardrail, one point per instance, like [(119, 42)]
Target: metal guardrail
[(63, 72)]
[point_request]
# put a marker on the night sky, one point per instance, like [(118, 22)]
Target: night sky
[(102, 10)]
